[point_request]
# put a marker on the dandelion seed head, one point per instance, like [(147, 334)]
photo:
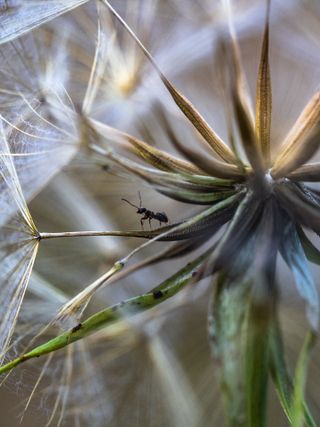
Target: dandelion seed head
[(252, 203)]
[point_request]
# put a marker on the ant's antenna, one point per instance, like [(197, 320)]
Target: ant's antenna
[(140, 199), (125, 200)]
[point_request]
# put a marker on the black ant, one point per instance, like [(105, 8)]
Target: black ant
[(148, 215)]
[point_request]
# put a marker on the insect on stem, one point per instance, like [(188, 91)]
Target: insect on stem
[(148, 214)]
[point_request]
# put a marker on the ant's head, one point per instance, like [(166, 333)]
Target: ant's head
[(141, 210)]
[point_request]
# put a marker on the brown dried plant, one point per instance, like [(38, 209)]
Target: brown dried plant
[(257, 192)]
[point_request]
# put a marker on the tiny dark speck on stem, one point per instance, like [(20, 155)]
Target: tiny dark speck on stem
[(157, 294), (77, 327)]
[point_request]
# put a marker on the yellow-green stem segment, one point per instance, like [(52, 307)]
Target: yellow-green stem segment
[(103, 318)]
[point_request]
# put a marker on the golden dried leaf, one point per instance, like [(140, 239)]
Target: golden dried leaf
[(157, 158), (241, 104), (308, 173), (182, 102), (160, 159), (264, 96), (207, 164), (248, 137), (215, 142), (309, 117), (299, 154)]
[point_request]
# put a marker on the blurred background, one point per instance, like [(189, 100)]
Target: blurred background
[(155, 370)]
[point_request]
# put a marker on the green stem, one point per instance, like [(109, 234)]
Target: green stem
[(257, 360), (298, 405), (92, 233), (282, 378), (105, 317), (161, 233)]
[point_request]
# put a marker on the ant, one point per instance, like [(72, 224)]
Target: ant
[(148, 215)]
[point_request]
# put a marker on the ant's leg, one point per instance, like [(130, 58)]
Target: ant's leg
[(159, 224), (150, 223), (143, 219)]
